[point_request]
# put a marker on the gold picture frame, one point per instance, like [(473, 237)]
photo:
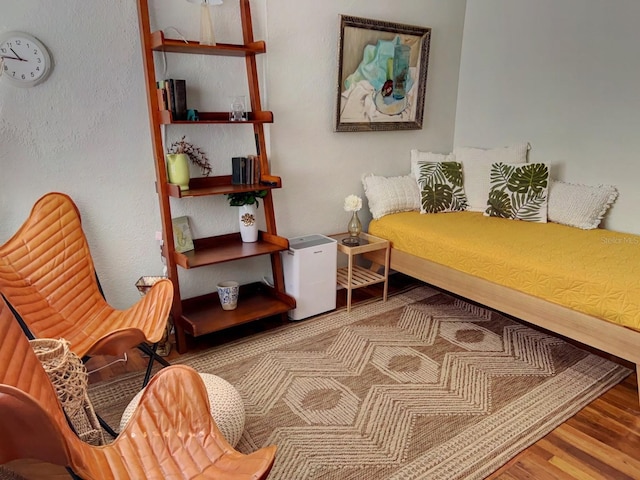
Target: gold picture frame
[(370, 97)]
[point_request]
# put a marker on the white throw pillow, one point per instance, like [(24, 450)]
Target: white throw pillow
[(476, 166), (418, 156), (391, 194), (581, 206)]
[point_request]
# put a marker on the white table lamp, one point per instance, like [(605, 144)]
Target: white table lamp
[(206, 25)]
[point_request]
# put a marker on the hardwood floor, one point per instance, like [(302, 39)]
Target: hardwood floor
[(602, 441)]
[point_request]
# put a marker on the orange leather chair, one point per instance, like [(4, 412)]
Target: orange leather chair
[(48, 279), (170, 435)]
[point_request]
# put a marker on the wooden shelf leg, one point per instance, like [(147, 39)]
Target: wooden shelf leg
[(181, 338)]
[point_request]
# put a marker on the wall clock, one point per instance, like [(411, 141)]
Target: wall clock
[(26, 61)]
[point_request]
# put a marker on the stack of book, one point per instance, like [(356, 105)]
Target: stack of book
[(245, 170), (172, 96)]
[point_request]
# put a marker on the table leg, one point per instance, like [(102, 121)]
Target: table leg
[(386, 273), (349, 282)]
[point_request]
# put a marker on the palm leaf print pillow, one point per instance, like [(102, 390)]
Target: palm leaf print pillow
[(519, 191), (441, 188)]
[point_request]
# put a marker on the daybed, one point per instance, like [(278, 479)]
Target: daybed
[(582, 284), (489, 225)]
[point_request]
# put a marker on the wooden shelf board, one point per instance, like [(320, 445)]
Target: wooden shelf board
[(225, 248), (161, 44), (221, 118), (218, 185), (361, 277), (203, 315)]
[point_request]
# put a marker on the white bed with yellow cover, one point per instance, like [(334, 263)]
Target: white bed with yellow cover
[(581, 283)]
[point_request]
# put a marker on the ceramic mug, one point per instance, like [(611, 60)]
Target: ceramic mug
[(228, 294)]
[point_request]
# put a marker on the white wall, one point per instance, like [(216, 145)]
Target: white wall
[(85, 130), (563, 75), (321, 167)]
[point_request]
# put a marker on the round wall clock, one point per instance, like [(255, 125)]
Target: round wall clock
[(26, 61)]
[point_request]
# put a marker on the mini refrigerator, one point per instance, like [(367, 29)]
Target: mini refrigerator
[(310, 267)]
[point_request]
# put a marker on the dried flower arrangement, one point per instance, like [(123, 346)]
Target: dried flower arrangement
[(195, 154)]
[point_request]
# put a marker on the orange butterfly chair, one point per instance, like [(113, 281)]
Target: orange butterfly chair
[(49, 281), (170, 435)]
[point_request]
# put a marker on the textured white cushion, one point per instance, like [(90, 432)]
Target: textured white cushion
[(580, 206), (418, 156), (391, 194), (476, 166)]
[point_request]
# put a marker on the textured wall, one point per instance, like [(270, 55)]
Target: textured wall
[(564, 76), (85, 130)]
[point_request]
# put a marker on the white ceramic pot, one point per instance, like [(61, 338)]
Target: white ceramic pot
[(248, 223)]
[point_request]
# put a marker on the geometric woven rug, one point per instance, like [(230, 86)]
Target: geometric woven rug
[(423, 386)]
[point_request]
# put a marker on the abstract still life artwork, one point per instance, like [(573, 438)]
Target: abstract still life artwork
[(382, 75)]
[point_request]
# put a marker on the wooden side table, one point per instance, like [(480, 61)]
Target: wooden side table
[(354, 276)]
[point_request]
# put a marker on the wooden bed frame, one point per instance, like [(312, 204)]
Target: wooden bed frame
[(608, 337)]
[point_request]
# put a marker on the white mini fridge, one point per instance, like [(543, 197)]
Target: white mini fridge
[(310, 267)]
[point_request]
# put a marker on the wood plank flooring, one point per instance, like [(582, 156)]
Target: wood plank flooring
[(601, 442)]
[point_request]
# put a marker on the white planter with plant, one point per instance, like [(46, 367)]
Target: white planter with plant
[(247, 215)]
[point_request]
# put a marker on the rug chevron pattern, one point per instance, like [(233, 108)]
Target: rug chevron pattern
[(422, 386)]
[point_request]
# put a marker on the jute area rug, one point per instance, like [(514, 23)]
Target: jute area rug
[(422, 386)]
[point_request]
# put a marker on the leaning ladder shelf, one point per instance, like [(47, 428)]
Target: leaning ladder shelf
[(203, 315)]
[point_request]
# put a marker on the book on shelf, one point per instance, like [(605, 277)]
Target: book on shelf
[(254, 169), (180, 95), (238, 168), (182, 238), (245, 170), (172, 96)]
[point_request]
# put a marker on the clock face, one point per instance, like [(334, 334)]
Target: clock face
[(26, 61)]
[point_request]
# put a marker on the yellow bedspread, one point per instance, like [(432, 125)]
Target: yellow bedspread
[(596, 272)]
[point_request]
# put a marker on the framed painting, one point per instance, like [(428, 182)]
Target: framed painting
[(382, 75)]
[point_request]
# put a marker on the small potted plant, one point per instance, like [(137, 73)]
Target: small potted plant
[(246, 198), (178, 156), (248, 203)]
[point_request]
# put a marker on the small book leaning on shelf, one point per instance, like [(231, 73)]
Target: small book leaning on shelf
[(182, 234)]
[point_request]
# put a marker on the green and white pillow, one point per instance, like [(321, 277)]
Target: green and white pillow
[(519, 191), (441, 187)]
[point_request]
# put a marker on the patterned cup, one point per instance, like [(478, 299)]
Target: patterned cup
[(228, 294)]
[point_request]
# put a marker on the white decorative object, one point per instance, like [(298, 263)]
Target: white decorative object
[(476, 166), (391, 194), (207, 36), (238, 109), (228, 294), (581, 206), (227, 407), (248, 223), (25, 59)]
